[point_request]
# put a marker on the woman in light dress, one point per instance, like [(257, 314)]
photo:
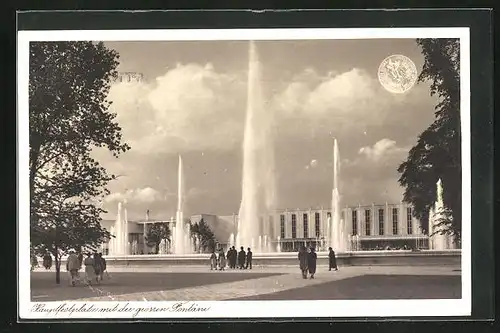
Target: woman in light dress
[(89, 269), (213, 261), (222, 260)]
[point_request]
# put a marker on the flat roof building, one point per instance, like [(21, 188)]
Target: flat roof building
[(375, 226)]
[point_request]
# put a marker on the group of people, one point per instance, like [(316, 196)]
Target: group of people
[(308, 258), (234, 259), (95, 267), (243, 260)]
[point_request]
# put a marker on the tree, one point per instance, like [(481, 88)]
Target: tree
[(68, 118), (437, 154), (203, 234), (156, 233)]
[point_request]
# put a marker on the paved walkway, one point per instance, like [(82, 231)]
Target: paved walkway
[(267, 285)]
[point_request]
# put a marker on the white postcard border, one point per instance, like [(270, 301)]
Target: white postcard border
[(239, 309)]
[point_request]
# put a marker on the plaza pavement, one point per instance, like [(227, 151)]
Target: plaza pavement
[(273, 283)]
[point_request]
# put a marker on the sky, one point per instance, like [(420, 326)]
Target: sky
[(193, 103)]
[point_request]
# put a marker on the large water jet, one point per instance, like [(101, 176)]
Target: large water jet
[(438, 241), (258, 188), (182, 238), (337, 233), (119, 244)]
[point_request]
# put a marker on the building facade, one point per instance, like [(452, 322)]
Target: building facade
[(368, 227)]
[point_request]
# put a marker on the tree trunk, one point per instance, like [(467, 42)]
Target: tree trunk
[(34, 153), (58, 265)]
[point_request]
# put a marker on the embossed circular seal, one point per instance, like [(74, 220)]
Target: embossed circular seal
[(397, 74)]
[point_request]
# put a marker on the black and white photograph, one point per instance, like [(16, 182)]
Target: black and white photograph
[(204, 173)]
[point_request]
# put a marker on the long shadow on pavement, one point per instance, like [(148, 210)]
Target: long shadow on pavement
[(44, 288), (368, 287)]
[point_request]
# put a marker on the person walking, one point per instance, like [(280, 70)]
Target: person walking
[(89, 269), (213, 261), (234, 257), (34, 262), (241, 258), (222, 260), (249, 259), (104, 268), (332, 261), (229, 258), (72, 266), (303, 261), (80, 261), (97, 267), (47, 260), (311, 262)]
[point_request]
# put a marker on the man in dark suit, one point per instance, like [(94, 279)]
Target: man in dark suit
[(241, 258), (249, 259), (234, 257), (332, 261)]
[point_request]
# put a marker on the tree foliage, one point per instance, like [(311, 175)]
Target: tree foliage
[(204, 235), (68, 118), (437, 154), (157, 232)]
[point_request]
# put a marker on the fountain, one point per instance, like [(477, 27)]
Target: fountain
[(134, 247), (337, 233), (267, 245), (125, 232), (258, 198), (258, 159), (111, 245), (162, 247), (119, 245), (230, 241), (181, 234), (438, 241)]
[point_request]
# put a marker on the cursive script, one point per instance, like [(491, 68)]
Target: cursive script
[(70, 309)]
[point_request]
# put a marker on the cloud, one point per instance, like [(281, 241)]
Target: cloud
[(382, 150), (149, 194), (347, 102), (141, 195), (198, 111), (185, 108), (312, 94), (374, 170)]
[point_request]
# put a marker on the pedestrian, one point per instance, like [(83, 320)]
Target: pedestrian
[(213, 261), (303, 261), (97, 267), (229, 257), (222, 260), (80, 262), (332, 261), (72, 266), (234, 257), (47, 260), (89, 269), (34, 262), (241, 258), (249, 259), (311, 262), (104, 267), (80, 258)]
